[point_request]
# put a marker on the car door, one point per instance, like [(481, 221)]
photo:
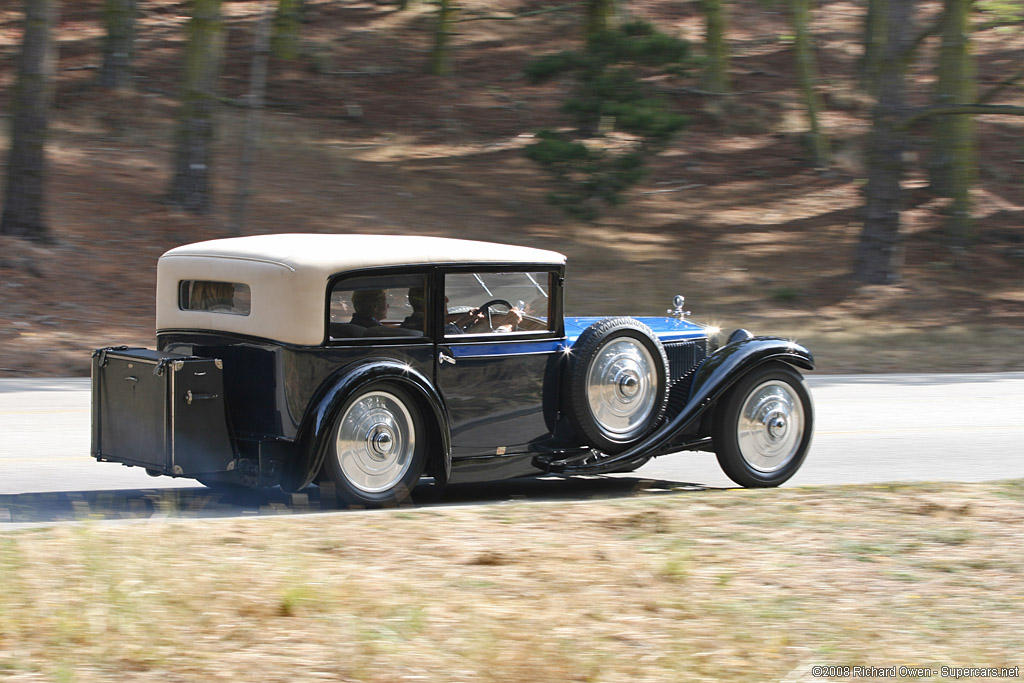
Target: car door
[(499, 351)]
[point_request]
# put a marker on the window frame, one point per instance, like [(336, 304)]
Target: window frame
[(402, 340), (185, 287), (556, 320)]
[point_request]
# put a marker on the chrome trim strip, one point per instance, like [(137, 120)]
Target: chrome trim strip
[(505, 355), (230, 258)]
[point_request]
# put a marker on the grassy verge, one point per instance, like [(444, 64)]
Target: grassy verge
[(718, 585)]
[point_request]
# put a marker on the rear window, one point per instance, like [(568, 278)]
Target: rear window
[(233, 298)]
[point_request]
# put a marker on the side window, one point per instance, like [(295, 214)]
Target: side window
[(378, 306), (497, 303), (217, 297)]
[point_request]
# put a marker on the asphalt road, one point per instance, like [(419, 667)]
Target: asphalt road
[(869, 428)]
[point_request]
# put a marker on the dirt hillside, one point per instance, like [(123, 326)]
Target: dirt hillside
[(358, 139)]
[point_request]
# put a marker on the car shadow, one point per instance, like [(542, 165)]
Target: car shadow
[(200, 502)]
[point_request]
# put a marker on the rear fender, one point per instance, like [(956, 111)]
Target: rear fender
[(314, 432)]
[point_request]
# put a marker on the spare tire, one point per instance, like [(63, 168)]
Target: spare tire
[(618, 384)]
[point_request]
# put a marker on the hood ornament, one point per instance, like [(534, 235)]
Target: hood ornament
[(678, 301)]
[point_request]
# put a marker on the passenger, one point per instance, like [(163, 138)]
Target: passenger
[(457, 323), (418, 303), (371, 307), (217, 297)]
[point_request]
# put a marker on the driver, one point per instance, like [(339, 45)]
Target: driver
[(475, 321)]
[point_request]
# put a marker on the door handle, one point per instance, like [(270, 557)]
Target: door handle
[(189, 397), (443, 358)]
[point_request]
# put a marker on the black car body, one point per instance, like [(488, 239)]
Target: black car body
[(367, 362)]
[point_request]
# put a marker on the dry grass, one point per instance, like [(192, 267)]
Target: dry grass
[(723, 585)]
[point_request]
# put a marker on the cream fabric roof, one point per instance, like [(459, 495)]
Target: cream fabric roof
[(288, 275)]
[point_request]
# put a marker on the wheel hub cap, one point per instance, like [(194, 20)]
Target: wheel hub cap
[(622, 387), (375, 442), (777, 427), (382, 440), (770, 428), (627, 384)]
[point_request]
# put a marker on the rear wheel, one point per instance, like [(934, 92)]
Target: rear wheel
[(763, 430), (378, 447)]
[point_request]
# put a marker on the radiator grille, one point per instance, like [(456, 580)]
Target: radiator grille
[(683, 357)]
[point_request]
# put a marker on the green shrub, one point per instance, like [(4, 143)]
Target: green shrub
[(608, 95)]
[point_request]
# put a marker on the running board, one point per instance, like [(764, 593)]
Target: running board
[(596, 462)]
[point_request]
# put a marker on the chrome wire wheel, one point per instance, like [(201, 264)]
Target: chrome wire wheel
[(770, 429), (621, 388), (375, 442)]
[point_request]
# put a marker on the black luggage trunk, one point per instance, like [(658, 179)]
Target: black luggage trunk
[(161, 411)]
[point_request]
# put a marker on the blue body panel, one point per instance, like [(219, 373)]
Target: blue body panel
[(667, 329), (506, 349)]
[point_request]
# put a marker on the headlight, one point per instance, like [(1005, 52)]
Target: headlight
[(715, 338)]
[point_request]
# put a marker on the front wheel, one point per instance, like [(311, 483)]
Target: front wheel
[(377, 449), (763, 430)]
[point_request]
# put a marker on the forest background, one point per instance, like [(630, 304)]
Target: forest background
[(845, 173)]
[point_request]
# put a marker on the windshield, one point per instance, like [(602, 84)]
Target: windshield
[(479, 303), (526, 291)]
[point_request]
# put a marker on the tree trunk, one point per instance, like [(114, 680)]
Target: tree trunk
[(285, 40), (119, 16), (30, 105), (440, 56), (190, 187), (716, 72), (880, 252), (254, 100), (602, 15), (807, 74), (953, 163), (874, 42)]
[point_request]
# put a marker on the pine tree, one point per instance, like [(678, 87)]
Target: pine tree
[(807, 75), (30, 107), (608, 96), (602, 15), (440, 55), (716, 72), (118, 48), (953, 163), (879, 256), (190, 186), (874, 42), (253, 119)]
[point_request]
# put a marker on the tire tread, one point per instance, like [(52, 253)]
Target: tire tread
[(583, 351), (727, 452)]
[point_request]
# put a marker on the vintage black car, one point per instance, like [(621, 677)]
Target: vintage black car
[(366, 363)]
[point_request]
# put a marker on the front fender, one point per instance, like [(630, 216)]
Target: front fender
[(726, 365), (720, 371), (314, 431)]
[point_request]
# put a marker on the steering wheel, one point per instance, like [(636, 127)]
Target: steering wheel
[(487, 307)]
